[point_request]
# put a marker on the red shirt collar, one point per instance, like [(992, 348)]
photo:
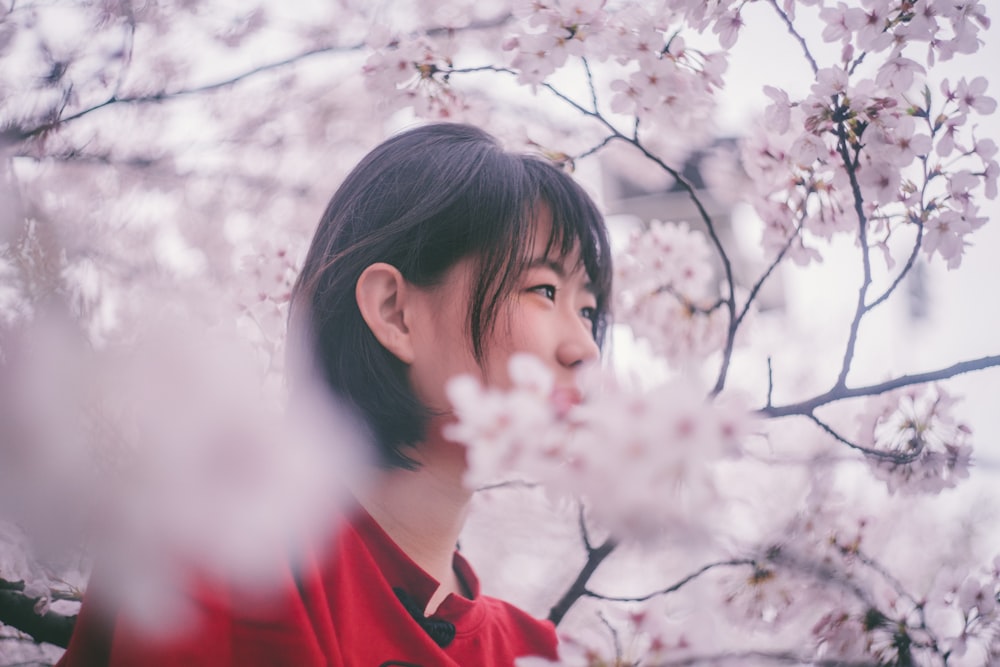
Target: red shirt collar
[(400, 571)]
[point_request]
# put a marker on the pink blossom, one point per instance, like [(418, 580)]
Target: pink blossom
[(538, 56), (899, 144), (830, 81), (841, 22), (880, 181), (970, 96), (944, 234), (974, 595), (990, 175), (727, 27), (872, 35), (897, 73), (778, 113), (628, 96), (664, 277), (665, 439)]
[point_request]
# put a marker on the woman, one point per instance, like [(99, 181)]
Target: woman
[(440, 254)]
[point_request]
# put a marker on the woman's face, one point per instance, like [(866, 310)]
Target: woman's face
[(548, 314)]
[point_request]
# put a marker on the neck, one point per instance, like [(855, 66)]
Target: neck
[(424, 510)]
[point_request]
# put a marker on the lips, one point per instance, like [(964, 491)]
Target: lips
[(564, 398)]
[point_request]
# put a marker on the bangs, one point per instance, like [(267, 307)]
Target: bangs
[(576, 223)]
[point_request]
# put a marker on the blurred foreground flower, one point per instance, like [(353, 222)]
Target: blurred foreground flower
[(645, 462), (173, 460)]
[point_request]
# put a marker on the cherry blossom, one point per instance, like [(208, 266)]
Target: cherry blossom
[(664, 279), (919, 446), (522, 433), (841, 21)]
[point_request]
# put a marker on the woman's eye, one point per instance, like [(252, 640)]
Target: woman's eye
[(548, 291), (589, 313)]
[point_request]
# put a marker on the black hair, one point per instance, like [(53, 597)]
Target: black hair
[(421, 201)]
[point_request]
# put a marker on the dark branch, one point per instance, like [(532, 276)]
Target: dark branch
[(840, 393), (590, 151), (676, 586), (18, 611), (850, 165), (590, 84), (901, 458), (595, 556)]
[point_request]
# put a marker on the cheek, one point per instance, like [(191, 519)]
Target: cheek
[(442, 352), (521, 330)]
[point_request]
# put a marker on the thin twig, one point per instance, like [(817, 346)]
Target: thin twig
[(770, 269), (209, 87), (590, 85), (770, 381), (127, 51), (914, 252), (920, 232), (614, 637), (584, 533), (795, 33), (676, 586), (895, 457), (509, 484), (590, 151)]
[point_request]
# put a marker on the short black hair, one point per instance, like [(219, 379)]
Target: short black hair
[(421, 201)]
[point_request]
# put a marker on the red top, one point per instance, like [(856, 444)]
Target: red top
[(341, 610)]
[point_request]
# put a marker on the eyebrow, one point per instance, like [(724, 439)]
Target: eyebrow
[(559, 269)]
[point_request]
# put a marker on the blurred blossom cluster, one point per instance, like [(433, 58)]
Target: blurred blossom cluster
[(644, 462), (168, 458), (664, 279), (263, 296)]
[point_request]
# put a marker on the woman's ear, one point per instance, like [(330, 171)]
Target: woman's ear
[(382, 294)]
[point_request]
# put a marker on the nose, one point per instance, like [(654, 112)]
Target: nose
[(577, 345)]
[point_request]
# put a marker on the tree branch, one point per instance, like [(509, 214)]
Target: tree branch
[(162, 96), (770, 269), (901, 458), (595, 556), (590, 151), (18, 611), (839, 393), (676, 586), (860, 310), (795, 33), (905, 270)]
